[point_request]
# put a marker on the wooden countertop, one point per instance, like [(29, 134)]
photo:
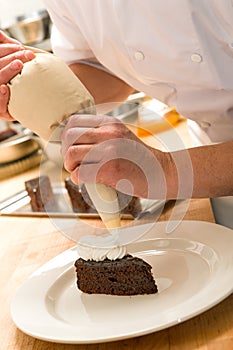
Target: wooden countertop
[(28, 243)]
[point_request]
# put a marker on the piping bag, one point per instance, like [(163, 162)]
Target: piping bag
[(42, 97)]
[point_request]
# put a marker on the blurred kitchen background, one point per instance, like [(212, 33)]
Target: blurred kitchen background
[(27, 21), (10, 9)]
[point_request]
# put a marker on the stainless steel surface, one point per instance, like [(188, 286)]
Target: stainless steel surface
[(31, 29), (19, 205), (154, 207), (127, 112), (223, 210)]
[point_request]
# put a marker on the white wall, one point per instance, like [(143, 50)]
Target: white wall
[(12, 8)]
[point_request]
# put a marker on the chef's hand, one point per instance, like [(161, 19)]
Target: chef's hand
[(102, 149), (12, 57)]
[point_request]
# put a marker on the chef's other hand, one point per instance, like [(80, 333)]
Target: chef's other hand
[(12, 57), (102, 149)]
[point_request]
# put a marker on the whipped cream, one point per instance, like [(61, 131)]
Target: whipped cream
[(99, 248)]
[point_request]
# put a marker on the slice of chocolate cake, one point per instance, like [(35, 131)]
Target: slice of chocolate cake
[(41, 194), (128, 204), (81, 202), (126, 276)]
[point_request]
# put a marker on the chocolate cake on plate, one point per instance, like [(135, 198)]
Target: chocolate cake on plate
[(126, 276)]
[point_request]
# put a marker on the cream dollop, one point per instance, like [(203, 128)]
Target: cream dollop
[(99, 248)]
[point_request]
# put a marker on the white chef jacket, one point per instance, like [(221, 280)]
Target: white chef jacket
[(178, 51)]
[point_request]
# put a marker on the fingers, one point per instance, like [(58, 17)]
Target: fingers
[(90, 121), (6, 57), (82, 154), (12, 65), (82, 136), (6, 39), (89, 129), (10, 71), (84, 174), (6, 74), (93, 144), (94, 149), (7, 49), (12, 57), (80, 129), (4, 97), (83, 143), (128, 179)]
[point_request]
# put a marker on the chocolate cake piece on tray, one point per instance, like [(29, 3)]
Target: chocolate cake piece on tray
[(81, 202), (42, 198)]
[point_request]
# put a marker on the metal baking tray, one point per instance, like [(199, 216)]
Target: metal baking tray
[(19, 205)]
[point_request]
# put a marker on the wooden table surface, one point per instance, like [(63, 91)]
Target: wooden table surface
[(28, 243)]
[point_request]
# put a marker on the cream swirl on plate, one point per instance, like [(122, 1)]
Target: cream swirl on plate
[(99, 248)]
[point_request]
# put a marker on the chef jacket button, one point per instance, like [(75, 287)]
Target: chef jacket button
[(139, 56), (204, 124), (196, 58)]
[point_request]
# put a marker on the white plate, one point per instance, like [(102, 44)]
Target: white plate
[(193, 267)]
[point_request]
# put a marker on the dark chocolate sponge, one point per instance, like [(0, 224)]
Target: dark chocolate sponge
[(41, 194), (127, 276)]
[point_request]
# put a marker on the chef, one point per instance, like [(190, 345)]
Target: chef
[(180, 52)]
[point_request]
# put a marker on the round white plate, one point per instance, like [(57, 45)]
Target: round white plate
[(193, 268)]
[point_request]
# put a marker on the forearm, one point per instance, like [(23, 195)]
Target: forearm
[(209, 169), (104, 87)]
